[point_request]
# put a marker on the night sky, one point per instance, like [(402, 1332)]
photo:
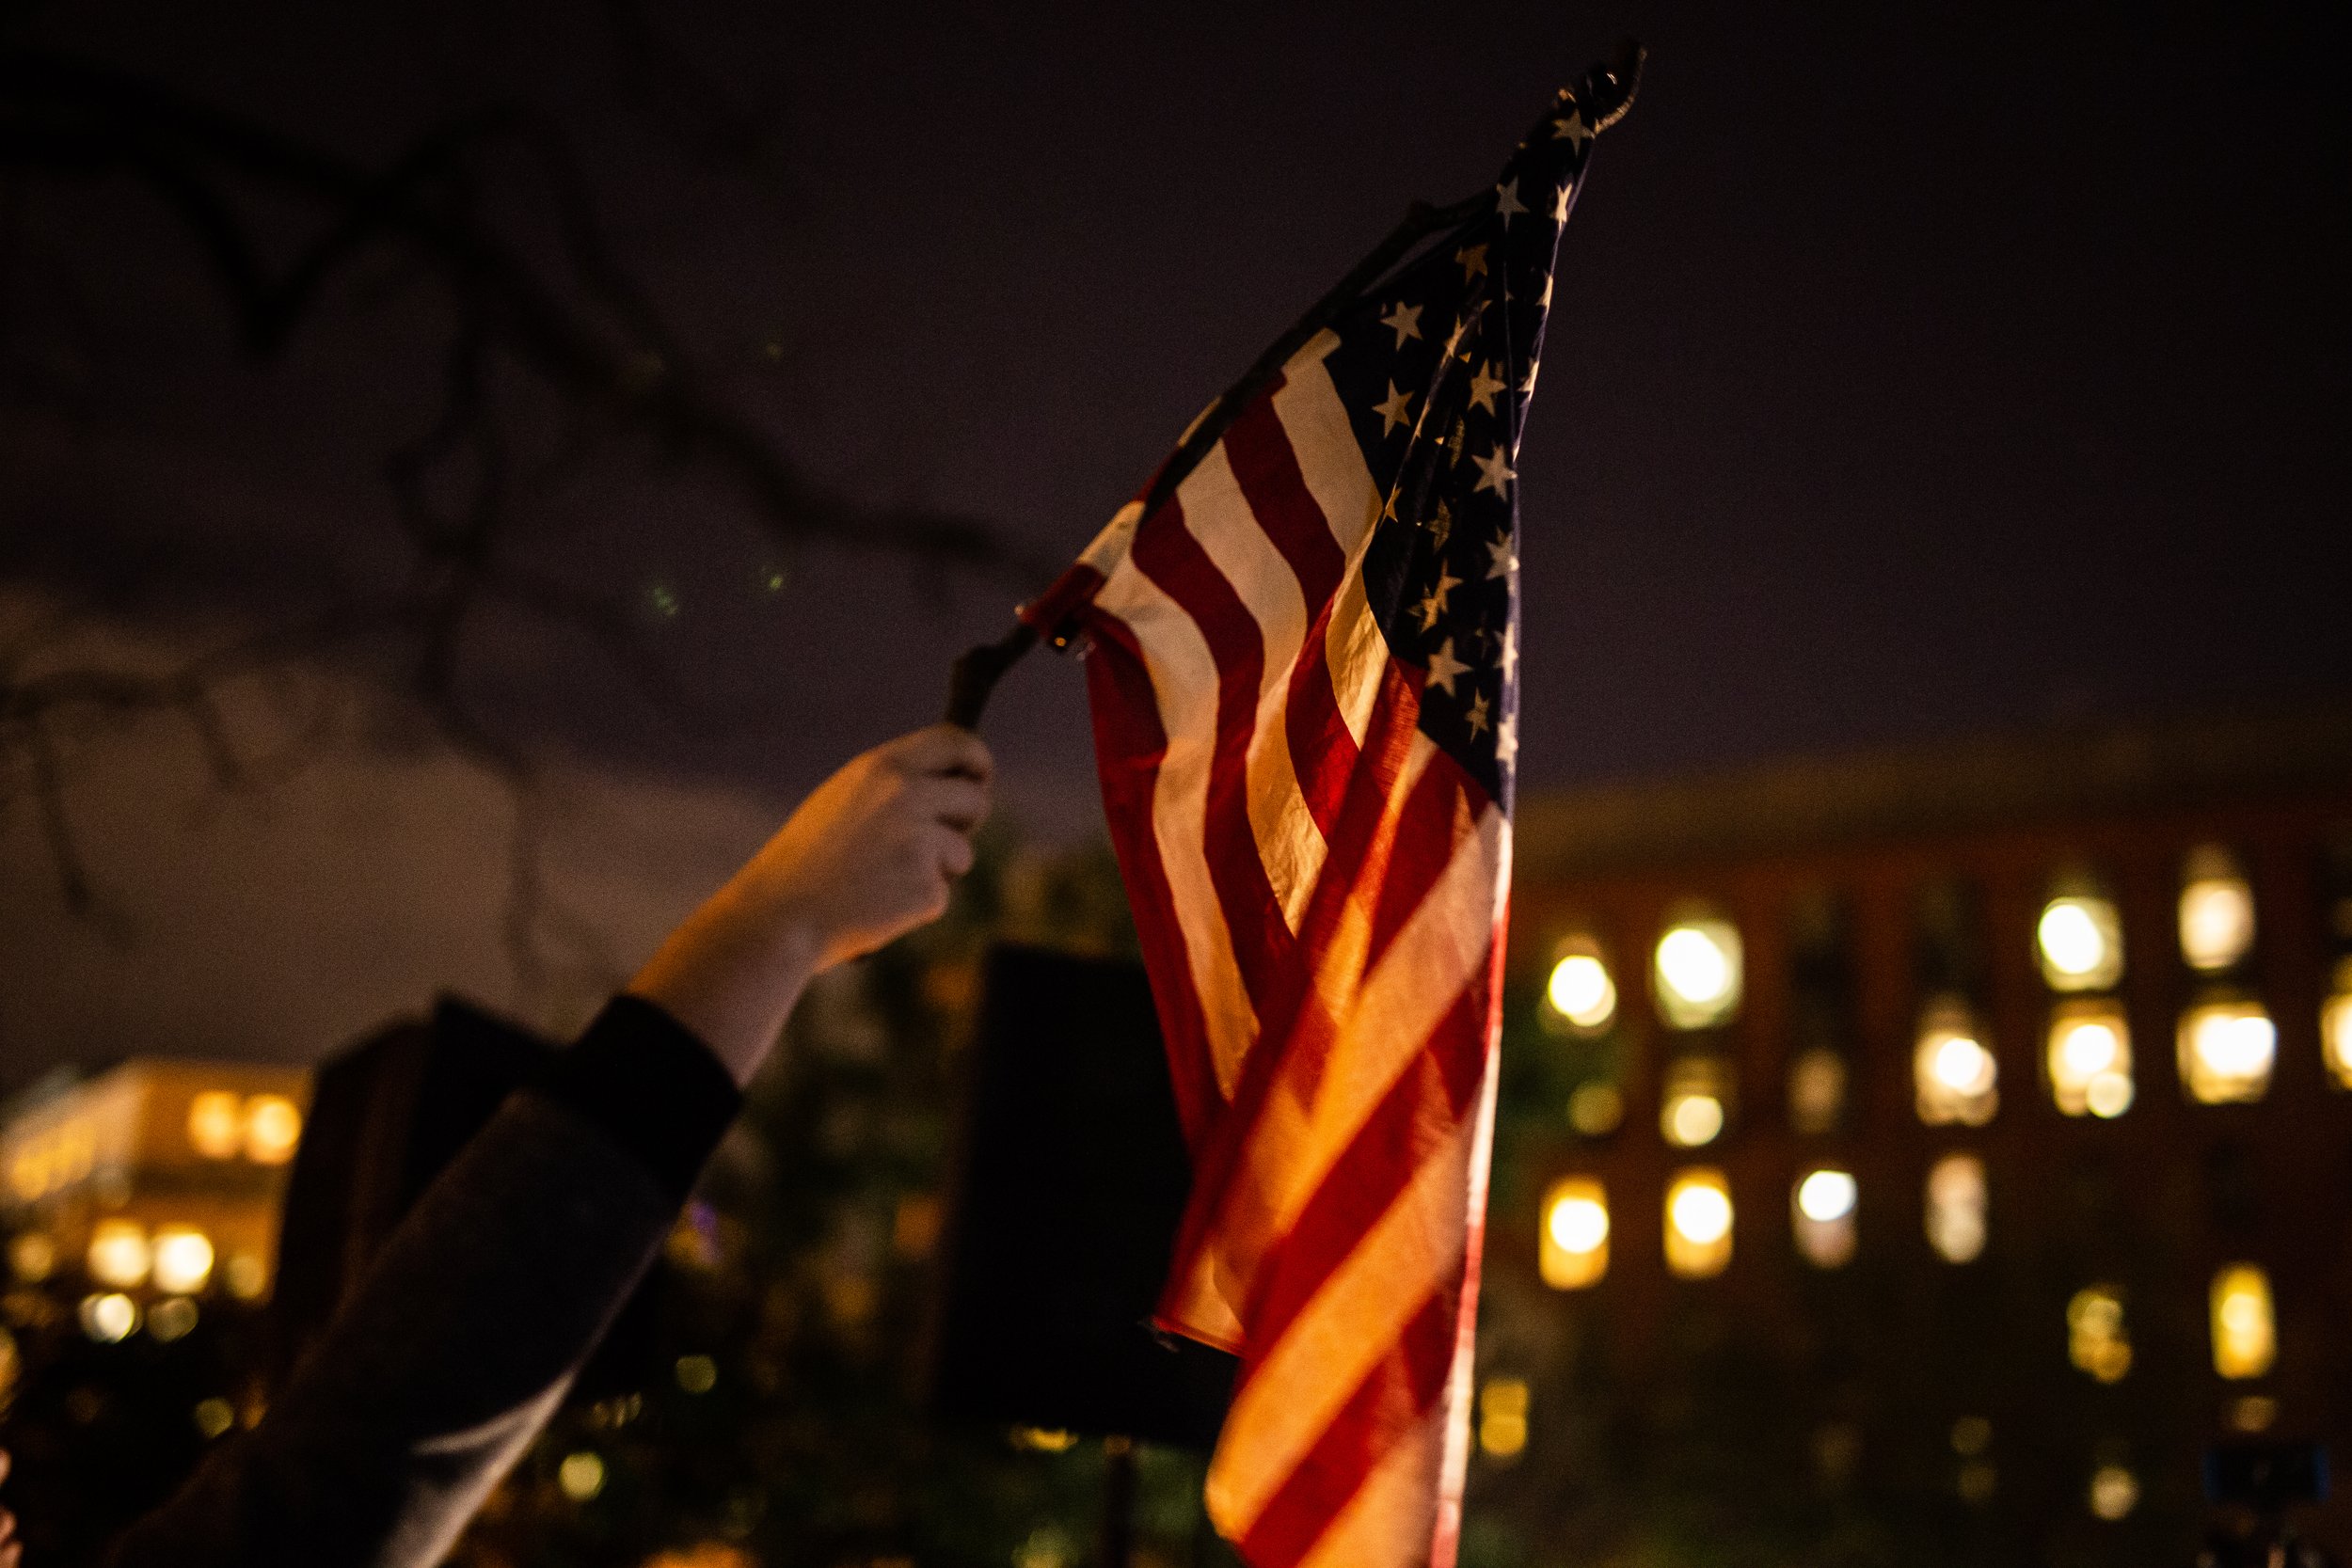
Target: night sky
[(1911, 375)]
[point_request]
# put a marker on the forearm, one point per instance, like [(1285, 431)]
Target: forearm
[(470, 1324)]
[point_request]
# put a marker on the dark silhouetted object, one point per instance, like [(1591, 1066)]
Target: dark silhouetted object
[(1072, 1179), (2261, 1482)]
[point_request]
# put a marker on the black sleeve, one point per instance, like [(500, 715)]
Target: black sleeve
[(470, 1324)]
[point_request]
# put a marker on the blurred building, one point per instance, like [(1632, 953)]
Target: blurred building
[(1991, 1107), (155, 1179)]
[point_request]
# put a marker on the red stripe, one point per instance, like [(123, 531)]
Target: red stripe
[(1264, 948), (1400, 1389), (1419, 1116), (1323, 753), (1429, 830), (1389, 738), (1129, 745)]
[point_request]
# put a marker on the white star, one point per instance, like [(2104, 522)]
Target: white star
[(1433, 603), (1571, 127), (1544, 303), (1485, 385), (1444, 669), (1501, 560), (1476, 718), (1473, 260), (1529, 384), (1510, 652), (1560, 206), (1388, 511), (1404, 320), (1507, 739), (1507, 202), (1441, 526), (1392, 412), (1495, 471)]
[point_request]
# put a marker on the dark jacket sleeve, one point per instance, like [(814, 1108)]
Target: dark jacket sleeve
[(470, 1324)]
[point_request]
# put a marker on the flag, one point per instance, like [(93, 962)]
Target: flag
[(1303, 673)]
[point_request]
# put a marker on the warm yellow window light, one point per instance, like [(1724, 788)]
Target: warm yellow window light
[(1573, 1250), (2080, 944), (2217, 911), (2245, 1332), (217, 1124), (1822, 1208), (2097, 1341), (1695, 1105), (2090, 1058), (1597, 1108), (1698, 1223), (118, 1253), (1956, 1208), (2227, 1049), (2114, 1492), (2335, 1026), (1503, 1417), (1698, 972), (1954, 1076), (1581, 990), (109, 1319), (272, 1129), (182, 1260)]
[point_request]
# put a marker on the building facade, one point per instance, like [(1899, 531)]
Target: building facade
[(1981, 1118)]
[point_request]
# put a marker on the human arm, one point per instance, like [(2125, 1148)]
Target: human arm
[(470, 1324)]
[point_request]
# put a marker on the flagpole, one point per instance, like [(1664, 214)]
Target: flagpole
[(974, 676)]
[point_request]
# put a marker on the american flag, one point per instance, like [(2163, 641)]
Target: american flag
[(1304, 680)]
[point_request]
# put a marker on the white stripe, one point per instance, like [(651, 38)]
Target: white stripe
[(1184, 684), (1219, 516), (1323, 441), (1347, 1328), (1436, 955)]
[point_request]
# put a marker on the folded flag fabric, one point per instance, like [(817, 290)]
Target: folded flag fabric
[(1303, 673)]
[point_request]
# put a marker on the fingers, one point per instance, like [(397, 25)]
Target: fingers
[(960, 802), (952, 851), (948, 749)]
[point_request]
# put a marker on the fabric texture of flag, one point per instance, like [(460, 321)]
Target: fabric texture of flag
[(1303, 673)]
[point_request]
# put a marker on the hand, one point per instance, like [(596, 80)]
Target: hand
[(866, 859), (871, 854)]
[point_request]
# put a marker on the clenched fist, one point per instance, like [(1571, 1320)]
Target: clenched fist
[(867, 857)]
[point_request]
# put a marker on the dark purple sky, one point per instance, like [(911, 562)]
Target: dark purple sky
[(1912, 373)]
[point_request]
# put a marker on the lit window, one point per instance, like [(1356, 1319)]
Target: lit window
[(1823, 1215), (696, 1374), (1595, 1109), (216, 1125), (1698, 972), (1698, 1223), (246, 1276), (2253, 1413), (118, 1253), (2096, 1339), (32, 1256), (2090, 1058), (2080, 944), (580, 1475), (2114, 1492), (2226, 1051), (1956, 1208), (2217, 911), (272, 1129), (1954, 1076), (2335, 1026), (173, 1317), (1817, 1091), (182, 1260), (1573, 1251), (1503, 1417), (2245, 1332), (1692, 1111), (213, 1417), (109, 1319), (1580, 989)]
